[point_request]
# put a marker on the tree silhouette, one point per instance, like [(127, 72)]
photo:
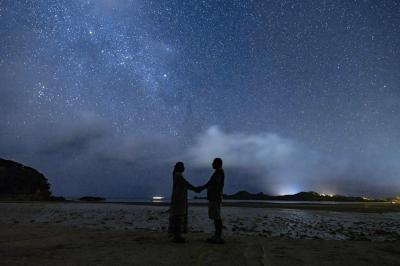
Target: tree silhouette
[(18, 181)]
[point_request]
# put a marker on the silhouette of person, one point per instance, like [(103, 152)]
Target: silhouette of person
[(215, 188), (179, 203)]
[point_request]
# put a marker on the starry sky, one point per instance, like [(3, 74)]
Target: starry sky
[(104, 96)]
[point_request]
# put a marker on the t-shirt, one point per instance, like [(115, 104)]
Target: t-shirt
[(215, 185)]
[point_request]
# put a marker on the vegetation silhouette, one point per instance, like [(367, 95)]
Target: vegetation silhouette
[(20, 182)]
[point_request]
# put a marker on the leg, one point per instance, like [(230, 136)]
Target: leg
[(171, 226), (214, 213), (185, 224), (178, 230), (217, 238), (218, 228)]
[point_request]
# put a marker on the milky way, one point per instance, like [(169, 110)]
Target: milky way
[(104, 96)]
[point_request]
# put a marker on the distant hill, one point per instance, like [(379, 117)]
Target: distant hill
[(20, 182), (92, 199), (301, 196)]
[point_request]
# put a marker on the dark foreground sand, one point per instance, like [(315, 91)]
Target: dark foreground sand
[(60, 245)]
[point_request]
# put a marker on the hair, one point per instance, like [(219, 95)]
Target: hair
[(179, 166), (218, 162)]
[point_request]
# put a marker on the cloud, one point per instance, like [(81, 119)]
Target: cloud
[(85, 156), (274, 164), (76, 137), (273, 161)]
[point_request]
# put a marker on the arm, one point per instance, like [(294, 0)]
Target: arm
[(190, 186), (222, 183), (216, 181), (208, 184)]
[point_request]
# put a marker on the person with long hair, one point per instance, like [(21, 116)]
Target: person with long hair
[(179, 203)]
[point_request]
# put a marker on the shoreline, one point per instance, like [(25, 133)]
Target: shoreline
[(265, 222)]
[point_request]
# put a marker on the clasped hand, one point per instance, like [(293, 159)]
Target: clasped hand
[(198, 189)]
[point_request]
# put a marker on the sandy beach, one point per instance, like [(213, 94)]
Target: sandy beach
[(124, 234)]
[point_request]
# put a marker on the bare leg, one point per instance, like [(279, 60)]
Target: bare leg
[(218, 228)]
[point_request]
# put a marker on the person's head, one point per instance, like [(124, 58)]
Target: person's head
[(217, 163), (179, 167)]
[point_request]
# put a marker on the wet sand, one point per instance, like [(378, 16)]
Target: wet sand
[(265, 222), (59, 233), (36, 244), (362, 207)]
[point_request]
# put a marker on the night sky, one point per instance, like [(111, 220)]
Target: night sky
[(104, 96)]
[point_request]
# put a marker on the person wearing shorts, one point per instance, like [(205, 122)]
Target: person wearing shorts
[(215, 188)]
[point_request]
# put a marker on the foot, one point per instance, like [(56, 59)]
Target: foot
[(219, 241), (211, 239), (179, 240), (215, 240)]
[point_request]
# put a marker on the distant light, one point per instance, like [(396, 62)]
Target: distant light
[(165, 75), (158, 197), (289, 190)]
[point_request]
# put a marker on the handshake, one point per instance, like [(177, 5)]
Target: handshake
[(198, 189)]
